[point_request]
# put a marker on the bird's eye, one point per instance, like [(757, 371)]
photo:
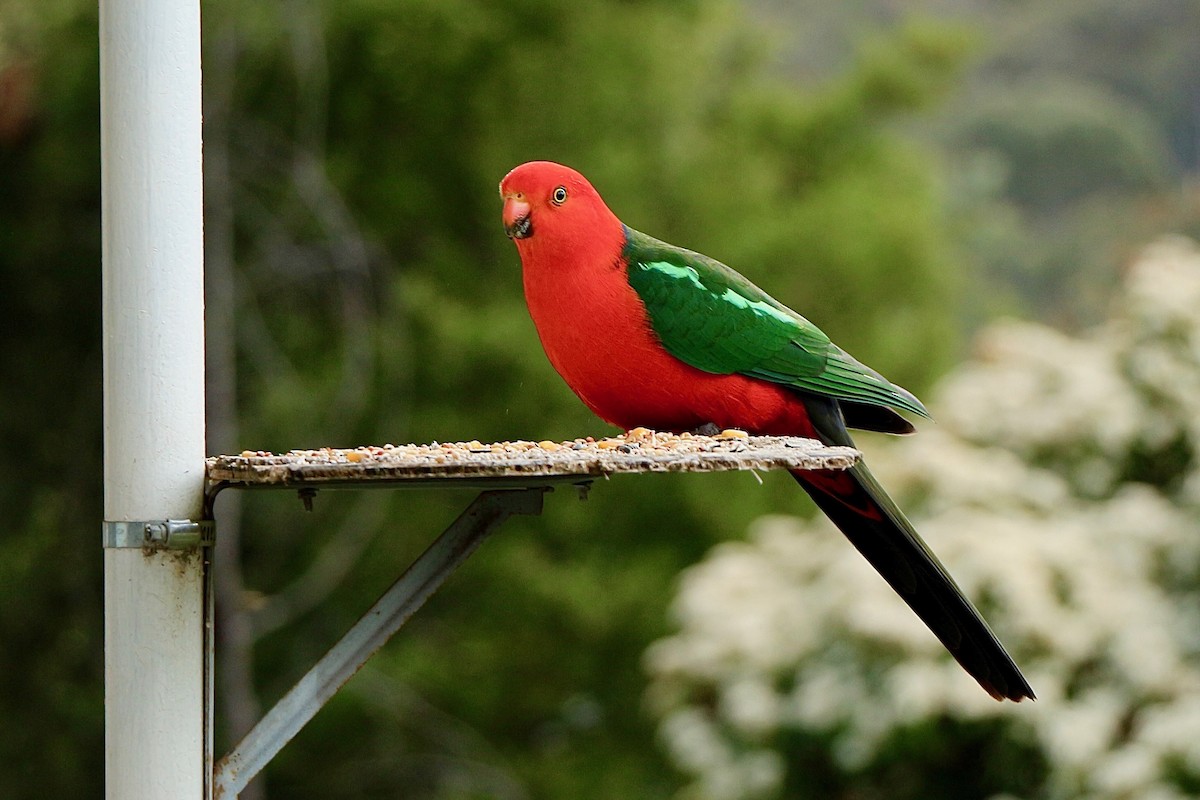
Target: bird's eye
[(560, 196)]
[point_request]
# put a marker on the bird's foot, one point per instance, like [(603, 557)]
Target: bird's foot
[(707, 429)]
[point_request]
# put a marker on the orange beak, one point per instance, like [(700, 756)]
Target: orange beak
[(516, 217)]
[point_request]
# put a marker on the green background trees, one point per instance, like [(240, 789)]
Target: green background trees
[(360, 290)]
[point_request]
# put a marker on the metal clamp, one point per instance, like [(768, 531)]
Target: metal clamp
[(162, 534)]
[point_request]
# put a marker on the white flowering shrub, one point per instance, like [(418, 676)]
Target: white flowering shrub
[(1061, 487)]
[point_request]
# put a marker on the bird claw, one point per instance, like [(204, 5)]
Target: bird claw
[(707, 429)]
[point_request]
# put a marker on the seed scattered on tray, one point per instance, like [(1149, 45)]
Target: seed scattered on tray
[(638, 450)]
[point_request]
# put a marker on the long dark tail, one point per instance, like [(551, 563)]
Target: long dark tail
[(873, 523)]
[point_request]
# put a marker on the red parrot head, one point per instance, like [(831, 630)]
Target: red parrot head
[(548, 206)]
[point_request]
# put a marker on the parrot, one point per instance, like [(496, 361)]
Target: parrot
[(651, 335)]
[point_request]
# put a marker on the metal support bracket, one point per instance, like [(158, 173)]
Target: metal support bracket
[(160, 534), (373, 629)]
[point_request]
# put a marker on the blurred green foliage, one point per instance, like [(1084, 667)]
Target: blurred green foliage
[(1071, 140), (50, 621), (352, 153)]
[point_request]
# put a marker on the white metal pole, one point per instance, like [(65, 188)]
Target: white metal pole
[(154, 641)]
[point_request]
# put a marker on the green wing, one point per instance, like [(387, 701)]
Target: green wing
[(712, 318)]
